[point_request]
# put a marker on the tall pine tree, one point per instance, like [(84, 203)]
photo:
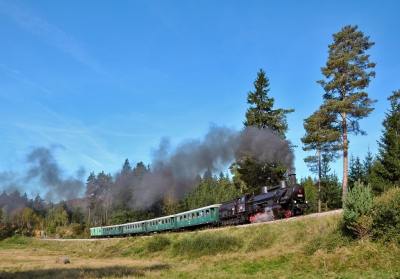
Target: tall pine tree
[(347, 77)]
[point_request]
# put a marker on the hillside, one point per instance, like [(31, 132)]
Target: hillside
[(302, 248)]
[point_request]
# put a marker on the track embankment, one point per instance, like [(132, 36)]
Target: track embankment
[(291, 219)]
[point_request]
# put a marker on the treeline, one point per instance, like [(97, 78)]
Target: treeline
[(26, 216), (109, 200)]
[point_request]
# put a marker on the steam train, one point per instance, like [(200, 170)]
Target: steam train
[(276, 202)]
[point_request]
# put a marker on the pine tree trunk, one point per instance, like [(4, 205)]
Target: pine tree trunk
[(89, 217), (319, 180), (345, 159)]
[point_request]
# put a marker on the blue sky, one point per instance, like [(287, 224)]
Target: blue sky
[(101, 81)]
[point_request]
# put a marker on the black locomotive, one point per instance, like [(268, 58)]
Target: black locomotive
[(276, 202)]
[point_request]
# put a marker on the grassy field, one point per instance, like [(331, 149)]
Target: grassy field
[(303, 248)]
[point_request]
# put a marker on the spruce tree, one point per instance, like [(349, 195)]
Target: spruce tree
[(387, 169), (368, 163), (347, 77), (127, 166), (261, 112), (356, 171), (331, 190), (262, 115)]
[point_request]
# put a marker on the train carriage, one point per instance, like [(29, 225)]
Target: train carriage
[(111, 231), (96, 232), (134, 228), (161, 224), (200, 216)]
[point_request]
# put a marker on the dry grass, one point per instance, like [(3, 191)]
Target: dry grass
[(41, 264)]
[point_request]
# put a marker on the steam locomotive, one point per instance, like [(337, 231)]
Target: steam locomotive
[(276, 202)]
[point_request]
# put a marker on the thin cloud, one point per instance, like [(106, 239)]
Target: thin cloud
[(72, 126), (50, 33), (63, 145), (8, 69)]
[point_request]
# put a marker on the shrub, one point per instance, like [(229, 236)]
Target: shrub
[(356, 211), (205, 244), (5, 232), (158, 243), (329, 242), (78, 229), (386, 216)]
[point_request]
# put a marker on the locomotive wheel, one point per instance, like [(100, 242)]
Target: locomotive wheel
[(252, 218), (288, 213)]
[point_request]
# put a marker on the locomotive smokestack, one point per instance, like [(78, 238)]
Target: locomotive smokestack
[(292, 178)]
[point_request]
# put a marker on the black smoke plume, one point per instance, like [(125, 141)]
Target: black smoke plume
[(174, 170)]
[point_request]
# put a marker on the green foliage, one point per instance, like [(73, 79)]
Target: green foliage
[(58, 216), (321, 136), (331, 191), (356, 171), (328, 242), (368, 164), (5, 232), (206, 244), (78, 229), (158, 243), (258, 174), (311, 193), (386, 216), (387, 168), (209, 190), (356, 212), (126, 166), (260, 113), (17, 240)]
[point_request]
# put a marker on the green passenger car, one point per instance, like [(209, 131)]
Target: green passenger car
[(112, 230), (134, 228), (96, 232), (200, 216), (161, 224)]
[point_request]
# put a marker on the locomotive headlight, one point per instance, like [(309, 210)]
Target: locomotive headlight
[(300, 193)]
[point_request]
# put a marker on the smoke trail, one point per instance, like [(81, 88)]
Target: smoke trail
[(174, 171), (43, 170)]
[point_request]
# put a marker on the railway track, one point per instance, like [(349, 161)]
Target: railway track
[(291, 219), (314, 215)]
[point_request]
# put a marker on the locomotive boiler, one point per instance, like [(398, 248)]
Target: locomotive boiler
[(275, 202)]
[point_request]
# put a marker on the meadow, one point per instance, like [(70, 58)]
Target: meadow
[(301, 248)]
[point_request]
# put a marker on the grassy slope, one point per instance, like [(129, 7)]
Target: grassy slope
[(305, 248)]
